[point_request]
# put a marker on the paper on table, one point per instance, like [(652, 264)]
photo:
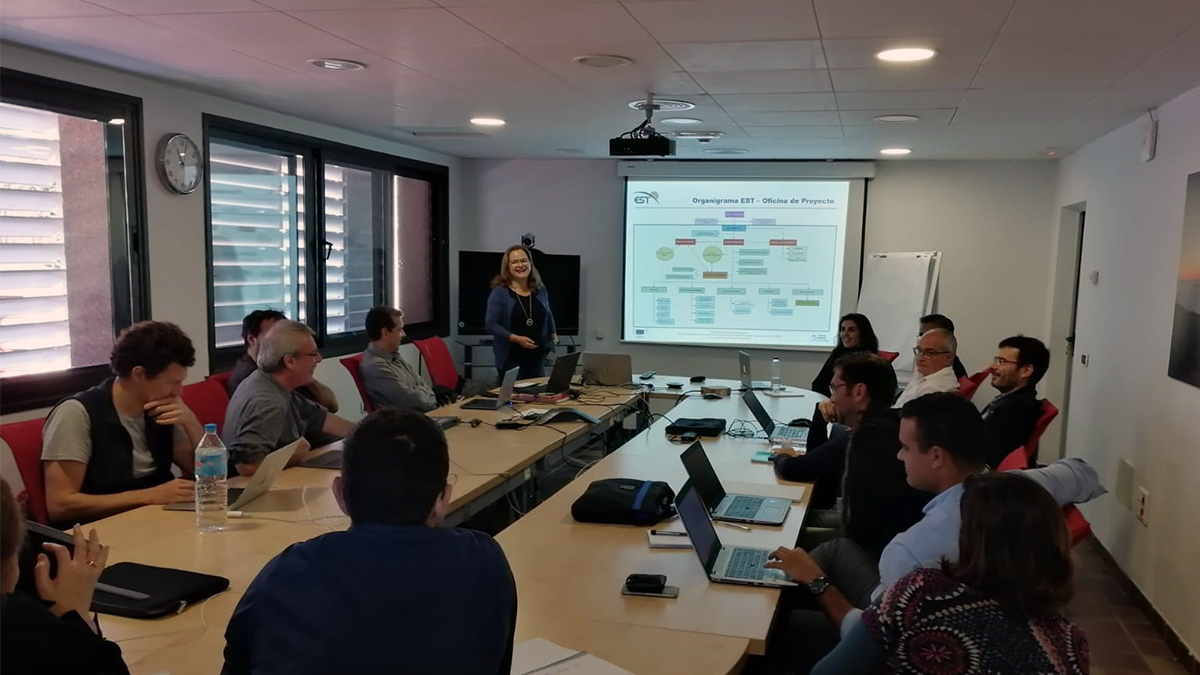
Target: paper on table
[(540, 656)]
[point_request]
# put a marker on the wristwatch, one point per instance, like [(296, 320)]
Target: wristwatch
[(819, 585)]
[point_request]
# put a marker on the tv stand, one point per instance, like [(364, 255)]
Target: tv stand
[(469, 346)]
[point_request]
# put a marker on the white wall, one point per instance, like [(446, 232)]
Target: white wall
[(992, 220), (1123, 405), (176, 222)]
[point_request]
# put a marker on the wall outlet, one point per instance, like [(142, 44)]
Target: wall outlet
[(599, 333), (1083, 360), (1143, 506)]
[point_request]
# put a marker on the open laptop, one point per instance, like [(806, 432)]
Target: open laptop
[(724, 564), (560, 377), (744, 369), (609, 370), (271, 466), (501, 401), (725, 506), (776, 433)]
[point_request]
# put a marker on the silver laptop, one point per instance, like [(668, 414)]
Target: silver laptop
[(724, 564), (725, 506), (744, 369), (500, 402), (609, 370), (776, 433), (271, 466)]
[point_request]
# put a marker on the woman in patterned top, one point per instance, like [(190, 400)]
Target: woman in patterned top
[(997, 610)]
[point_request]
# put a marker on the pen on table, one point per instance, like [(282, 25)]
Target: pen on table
[(734, 526), (668, 533), (122, 592)]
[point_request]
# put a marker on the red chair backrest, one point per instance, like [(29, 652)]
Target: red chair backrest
[(222, 379), (439, 362), (1077, 526), (25, 440), (967, 386), (888, 356), (352, 363), (208, 400), (1049, 412)]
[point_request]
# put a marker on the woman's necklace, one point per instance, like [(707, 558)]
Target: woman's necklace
[(528, 312)]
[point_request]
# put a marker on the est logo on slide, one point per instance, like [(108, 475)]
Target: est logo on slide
[(645, 197)]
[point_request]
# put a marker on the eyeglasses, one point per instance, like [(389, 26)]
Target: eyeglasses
[(1001, 361), (929, 353), (834, 386), (314, 355)]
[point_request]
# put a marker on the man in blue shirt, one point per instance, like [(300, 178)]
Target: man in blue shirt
[(943, 440), (396, 593)]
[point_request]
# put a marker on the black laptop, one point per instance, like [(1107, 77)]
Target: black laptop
[(560, 377)]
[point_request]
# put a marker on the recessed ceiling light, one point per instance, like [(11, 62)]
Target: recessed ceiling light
[(1052, 153), (906, 54), (725, 151), (895, 151), (117, 121), (897, 118), (698, 135), (337, 64), (570, 151), (681, 120), (487, 121), (602, 60), (664, 105)]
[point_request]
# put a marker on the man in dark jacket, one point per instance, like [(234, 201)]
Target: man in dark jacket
[(1018, 366)]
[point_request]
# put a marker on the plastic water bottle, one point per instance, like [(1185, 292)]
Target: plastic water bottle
[(776, 374), (212, 475)]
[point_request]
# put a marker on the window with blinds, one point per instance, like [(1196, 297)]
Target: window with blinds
[(67, 266)]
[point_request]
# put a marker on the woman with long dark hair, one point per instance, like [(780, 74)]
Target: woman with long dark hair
[(997, 609), (519, 317), (855, 334)]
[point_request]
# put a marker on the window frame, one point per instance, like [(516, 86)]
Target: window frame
[(318, 152), (128, 237)]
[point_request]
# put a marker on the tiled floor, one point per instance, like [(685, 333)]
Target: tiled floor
[(1122, 639)]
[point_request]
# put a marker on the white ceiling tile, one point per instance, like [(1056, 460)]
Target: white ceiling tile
[(777, 102), (909, 18), (106, 39), (765, 82), (494, 60), (896, 100), (489, 3), (1017, 106), (138, 7), (1164, 76), (288, 5), (951, 49), (737, 56), (397, 31), (903, 77), (867, 117), (1047, 76), (710, 20), (555, 24), (49, 9), (797, 133), (652, 68), (786, 119), (1066, 17)]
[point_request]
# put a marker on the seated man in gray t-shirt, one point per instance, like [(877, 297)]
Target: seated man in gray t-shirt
[(265, 412), (111, 448)]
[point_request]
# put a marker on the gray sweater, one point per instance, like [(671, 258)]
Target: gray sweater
[(391, 382)]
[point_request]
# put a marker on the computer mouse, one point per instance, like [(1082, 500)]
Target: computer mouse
[(800, 422), (712, 397)]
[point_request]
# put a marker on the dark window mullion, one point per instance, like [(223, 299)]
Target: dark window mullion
[(314, 190)]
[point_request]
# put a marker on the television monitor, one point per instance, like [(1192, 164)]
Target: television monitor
[(477, 269)]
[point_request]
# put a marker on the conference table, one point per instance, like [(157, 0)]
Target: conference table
[(568, 574)]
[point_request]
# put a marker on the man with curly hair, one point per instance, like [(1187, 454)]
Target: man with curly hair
[(110, 448)]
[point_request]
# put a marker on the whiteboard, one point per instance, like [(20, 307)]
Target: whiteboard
[(897, 290)]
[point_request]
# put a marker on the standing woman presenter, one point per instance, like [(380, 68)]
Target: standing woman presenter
[(519, 316)]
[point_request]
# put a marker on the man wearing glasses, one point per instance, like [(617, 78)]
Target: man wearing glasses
[(935, 366), (266, 413), (1018, 366)]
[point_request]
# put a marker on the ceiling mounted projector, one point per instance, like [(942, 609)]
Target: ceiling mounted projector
[(642, 140)]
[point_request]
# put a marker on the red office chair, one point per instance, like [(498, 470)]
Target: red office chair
[(352, 363), (25, 440), (208, 400), (437, 359), (1077, 526), (1024, 456), (888, 356), (223, 380), (967, 386)]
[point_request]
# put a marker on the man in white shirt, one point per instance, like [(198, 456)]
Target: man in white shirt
[(935, 353)]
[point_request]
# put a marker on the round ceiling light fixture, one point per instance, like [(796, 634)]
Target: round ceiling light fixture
[(895, 151), (663, 105), (602, 60), (681, 121), (487, 121), (337, 64), (906, 54), (897, 118)]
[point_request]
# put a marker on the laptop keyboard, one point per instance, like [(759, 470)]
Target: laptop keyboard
[(747, 563), (743, 507), (782, 431)]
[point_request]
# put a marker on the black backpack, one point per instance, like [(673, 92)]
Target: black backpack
[(625, 501)]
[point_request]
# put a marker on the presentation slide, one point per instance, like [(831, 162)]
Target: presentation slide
[(753, 263)]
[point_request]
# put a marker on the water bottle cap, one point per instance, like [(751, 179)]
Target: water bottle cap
[(210, 428)]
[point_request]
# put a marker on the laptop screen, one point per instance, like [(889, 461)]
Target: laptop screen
[(702, 476), (564, 370), (744, 369), (699, 528), (759, 412)]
